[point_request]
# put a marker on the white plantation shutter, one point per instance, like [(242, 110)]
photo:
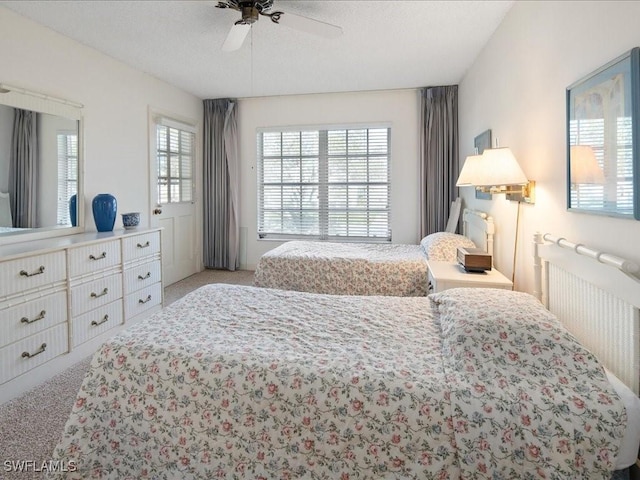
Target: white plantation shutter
[(175, 152), (67, 174), (324, 184)]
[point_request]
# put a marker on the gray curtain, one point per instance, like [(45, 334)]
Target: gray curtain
[(23, 168), (438, 156), (221, 184)]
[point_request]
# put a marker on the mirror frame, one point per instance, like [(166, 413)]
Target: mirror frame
[(20, 98), (594, 92)]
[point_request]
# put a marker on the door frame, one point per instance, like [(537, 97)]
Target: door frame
[(153, 114)]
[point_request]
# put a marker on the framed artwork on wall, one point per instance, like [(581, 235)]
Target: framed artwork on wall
[(603, 131), (481, 142)]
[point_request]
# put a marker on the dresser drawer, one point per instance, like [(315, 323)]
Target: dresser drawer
[(32, 317), (22, 356), (142, 300), (141, 276), (87, 296), (97, 321), (140, 246), (27, 273), (94, 257)]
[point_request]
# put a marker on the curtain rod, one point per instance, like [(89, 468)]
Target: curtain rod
[(4, 88), (382, 90)]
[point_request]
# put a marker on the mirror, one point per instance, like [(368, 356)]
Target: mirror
[(603, 133), (40, 166)]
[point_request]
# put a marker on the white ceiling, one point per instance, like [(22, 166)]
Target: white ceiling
[(388, 44)]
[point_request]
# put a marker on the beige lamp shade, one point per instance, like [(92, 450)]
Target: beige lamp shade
[(584, 166), (469, 171), (495, 167), (501, 168)]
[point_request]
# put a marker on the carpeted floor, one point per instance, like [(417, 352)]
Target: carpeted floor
[(31, 425)]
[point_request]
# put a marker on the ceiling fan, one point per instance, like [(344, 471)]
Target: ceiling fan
[(251, 11)]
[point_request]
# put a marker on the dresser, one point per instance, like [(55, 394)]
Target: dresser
[(61, 298)]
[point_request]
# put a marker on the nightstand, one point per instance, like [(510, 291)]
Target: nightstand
[(445, 275)]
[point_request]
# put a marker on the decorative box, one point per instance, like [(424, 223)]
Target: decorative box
[(473, 259)]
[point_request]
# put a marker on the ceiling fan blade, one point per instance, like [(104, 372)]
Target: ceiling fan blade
[(309, 25), (236, 37)]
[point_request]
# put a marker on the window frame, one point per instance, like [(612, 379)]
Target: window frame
[(618, 81), (323, 209), (170, 123)]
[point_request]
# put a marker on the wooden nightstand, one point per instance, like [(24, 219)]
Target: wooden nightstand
[(445, 275)]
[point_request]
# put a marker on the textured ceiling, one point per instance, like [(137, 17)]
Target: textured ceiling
[(385, 44)]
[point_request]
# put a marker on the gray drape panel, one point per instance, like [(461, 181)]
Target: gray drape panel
[(221, 184), (438, 156), (23, 168)]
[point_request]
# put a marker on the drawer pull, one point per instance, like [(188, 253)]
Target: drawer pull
[(43, 347), (97, 295), (95, 323), (24, 273), (140, 277), (148, 299), (144, 245), (39, 317), (99, 257)]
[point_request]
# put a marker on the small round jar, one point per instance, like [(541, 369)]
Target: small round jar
[(130, 220)]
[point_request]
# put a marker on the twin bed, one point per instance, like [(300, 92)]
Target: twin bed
[(245, 382), (366, 268)]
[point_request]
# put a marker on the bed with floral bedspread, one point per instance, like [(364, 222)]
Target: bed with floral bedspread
[(355, 268), (241, 382)]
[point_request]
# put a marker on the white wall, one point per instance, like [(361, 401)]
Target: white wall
[(517, 88), (399, 108), (116, 101)]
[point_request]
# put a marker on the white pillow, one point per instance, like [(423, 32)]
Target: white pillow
[(441, 246)]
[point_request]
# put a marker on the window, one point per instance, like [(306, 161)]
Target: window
[(175, 150), (67, 174), (324, 184)]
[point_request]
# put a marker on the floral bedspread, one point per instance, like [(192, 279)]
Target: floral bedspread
[(528, 401), (345, 268), (241, 382)]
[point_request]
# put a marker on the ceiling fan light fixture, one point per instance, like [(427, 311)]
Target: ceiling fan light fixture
[(250, 14)]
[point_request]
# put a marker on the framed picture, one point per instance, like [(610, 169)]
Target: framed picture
[(603, 132), (481, 142)]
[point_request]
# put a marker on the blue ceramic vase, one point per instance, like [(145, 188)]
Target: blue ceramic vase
[(104, 207), (73, 210)]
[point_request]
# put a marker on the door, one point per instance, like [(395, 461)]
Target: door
[(173, 202)]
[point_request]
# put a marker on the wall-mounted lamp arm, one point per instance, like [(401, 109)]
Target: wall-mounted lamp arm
[(497, 171)]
